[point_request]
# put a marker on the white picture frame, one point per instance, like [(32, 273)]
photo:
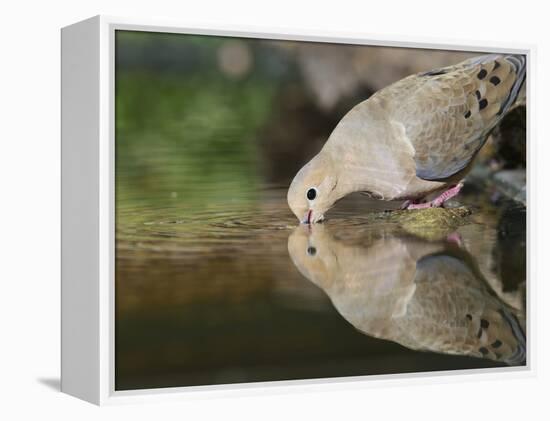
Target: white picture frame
[(87, 324)]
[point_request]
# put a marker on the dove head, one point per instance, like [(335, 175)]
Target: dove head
[(311, 250), (313, 191)]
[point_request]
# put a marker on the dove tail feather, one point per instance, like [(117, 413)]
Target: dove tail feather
[(519, 357), (519, 63)]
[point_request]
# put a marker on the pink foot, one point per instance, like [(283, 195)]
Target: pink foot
[(438, 201), (455, 238)]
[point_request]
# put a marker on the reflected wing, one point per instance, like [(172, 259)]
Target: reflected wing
[(455, 313)]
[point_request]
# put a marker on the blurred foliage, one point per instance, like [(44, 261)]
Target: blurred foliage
[(189, 133)]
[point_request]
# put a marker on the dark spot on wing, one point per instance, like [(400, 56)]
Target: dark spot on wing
[(469, 316), (484, 324), (479, 332), (482, 73), (496, 66), (483, 350), (482, 104), (495, 80), (496, 344), (478, 95), (468, 114)]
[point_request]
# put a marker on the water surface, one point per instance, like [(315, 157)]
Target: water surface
[(236, 291)]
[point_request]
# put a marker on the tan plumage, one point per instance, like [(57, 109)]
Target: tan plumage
[(412, 138), (413, 292)]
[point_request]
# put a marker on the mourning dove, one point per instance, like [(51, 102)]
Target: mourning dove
[(425, 296), (413, 139)]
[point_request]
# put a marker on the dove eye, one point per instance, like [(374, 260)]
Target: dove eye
[(311, 251), (311, 193)]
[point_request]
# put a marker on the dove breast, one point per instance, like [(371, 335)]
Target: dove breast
[(448, 113)]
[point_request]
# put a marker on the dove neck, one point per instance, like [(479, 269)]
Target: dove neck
[(361, 148), (333, 172), (351, 182), (348, 173)]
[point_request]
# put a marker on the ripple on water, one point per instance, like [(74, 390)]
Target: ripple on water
[(180, 229), (250, 226)]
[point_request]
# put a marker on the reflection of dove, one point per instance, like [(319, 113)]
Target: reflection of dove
[(413, 138), (410, 292)]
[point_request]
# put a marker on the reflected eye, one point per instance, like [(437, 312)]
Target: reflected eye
[(312, 251), (311, 193)]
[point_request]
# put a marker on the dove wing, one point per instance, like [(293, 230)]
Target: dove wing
[(457, 314), (449, 112)]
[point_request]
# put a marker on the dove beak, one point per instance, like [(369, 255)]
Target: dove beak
[(310, 219), (307, 217)]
